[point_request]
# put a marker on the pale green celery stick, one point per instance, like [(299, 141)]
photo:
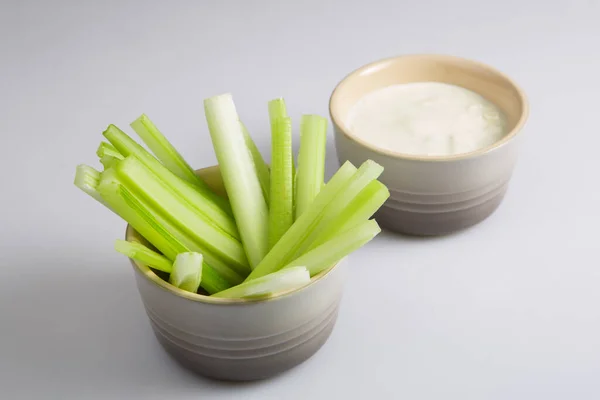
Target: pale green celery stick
[(105, 149), (108, 154), (164, 150), (215, 243), (130, 208), (321, 216), (175, 233), (87, 179), (212, 281), (360, 209), (311, 160), (278, 109), (109, 161), (269, 285), (187, 271), (139, 252), (239, 176), (368, 172), (262, 170), (155, 229), (332, 251), (281, 214), (286, 248), (205, 201)]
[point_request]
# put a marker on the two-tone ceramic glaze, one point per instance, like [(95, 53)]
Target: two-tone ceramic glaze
[(237, 339), (434, 195)]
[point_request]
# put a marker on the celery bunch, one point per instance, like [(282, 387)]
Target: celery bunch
[(276, 228)]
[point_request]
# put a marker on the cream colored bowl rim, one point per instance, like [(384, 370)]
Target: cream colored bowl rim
[(155, 279), (337, 119)]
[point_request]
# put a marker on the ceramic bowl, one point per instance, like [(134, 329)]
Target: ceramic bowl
[(236, 339), (434, 195)]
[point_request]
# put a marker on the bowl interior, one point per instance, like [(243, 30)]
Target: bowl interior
[(212, 177), (477, 77)]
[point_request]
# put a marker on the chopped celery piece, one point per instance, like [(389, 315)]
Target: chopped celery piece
[(139, 252), (262, 170), (87, 179), (164, 150), (107, 151), (214, 242), (360, 209), (106, 148), (311, 160), (108, 155), (109, 161), (156, 230), (239, 176), (278, 109), (205, 201), (332, 251), (281, 214), (286, 248), (212, 281), (269, 285), (131, 209), (187, 271), (184, 241), (367, 173)]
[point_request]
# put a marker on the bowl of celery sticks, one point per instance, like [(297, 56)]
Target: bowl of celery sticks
[(240, 266)]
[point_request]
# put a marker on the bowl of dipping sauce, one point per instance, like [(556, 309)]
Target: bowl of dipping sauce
[(446, 131), (239, 339)]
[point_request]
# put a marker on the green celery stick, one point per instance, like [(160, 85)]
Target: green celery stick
[(109, 161), (281, 214), (87, 179), (139, 252), (286, 248), (108, 154), (131, 209), (311, 161), (165, 151), (262, 169), (278, 109), (108, 149), (367, 173), (360, 209), (187, 271), (269, 285), (239, 176), (332, 251), (322, 212), (212, 281), (156, 230), (205, 201), (215, 243), (172, 230)]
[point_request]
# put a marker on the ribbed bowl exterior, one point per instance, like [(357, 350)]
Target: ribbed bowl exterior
[(436, 197), (244, 341)]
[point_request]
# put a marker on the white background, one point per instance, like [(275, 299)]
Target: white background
[(509, 309)]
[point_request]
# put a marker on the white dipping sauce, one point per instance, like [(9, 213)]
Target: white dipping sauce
[(426, 118)]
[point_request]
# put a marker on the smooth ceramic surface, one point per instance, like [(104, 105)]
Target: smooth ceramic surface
[(434, 195), (233, 339)]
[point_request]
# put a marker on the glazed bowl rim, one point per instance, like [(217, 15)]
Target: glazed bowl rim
[(379, 64)]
